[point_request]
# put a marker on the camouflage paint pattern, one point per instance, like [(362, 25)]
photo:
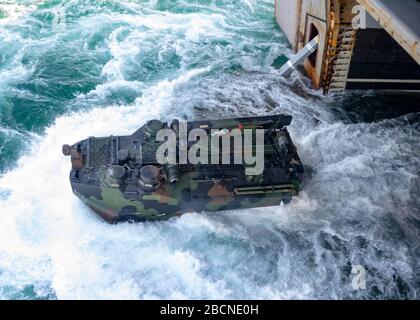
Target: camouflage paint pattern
[(122, 195)]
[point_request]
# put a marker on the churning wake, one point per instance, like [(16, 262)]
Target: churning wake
[(73, 69)]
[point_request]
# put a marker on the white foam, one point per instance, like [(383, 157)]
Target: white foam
[(49, 239), (44, 223), (14, 11)]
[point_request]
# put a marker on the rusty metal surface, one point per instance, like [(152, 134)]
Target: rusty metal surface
[(314, 71), (401, 19), (332, 35)]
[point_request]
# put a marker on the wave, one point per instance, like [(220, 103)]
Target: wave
[(359, 206)]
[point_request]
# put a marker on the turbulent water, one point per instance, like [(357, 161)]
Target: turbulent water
[(73, 69)]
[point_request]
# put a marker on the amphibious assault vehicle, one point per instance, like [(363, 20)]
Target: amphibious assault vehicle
[(126, 178)]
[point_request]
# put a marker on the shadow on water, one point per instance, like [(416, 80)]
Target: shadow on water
[(360, 106)]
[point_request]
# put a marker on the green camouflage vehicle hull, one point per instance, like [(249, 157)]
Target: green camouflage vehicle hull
[(121, 179)]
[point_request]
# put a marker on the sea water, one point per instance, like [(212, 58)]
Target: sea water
[(79, 68)]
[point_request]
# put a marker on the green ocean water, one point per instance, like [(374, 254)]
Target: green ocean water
[(73, 69)]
